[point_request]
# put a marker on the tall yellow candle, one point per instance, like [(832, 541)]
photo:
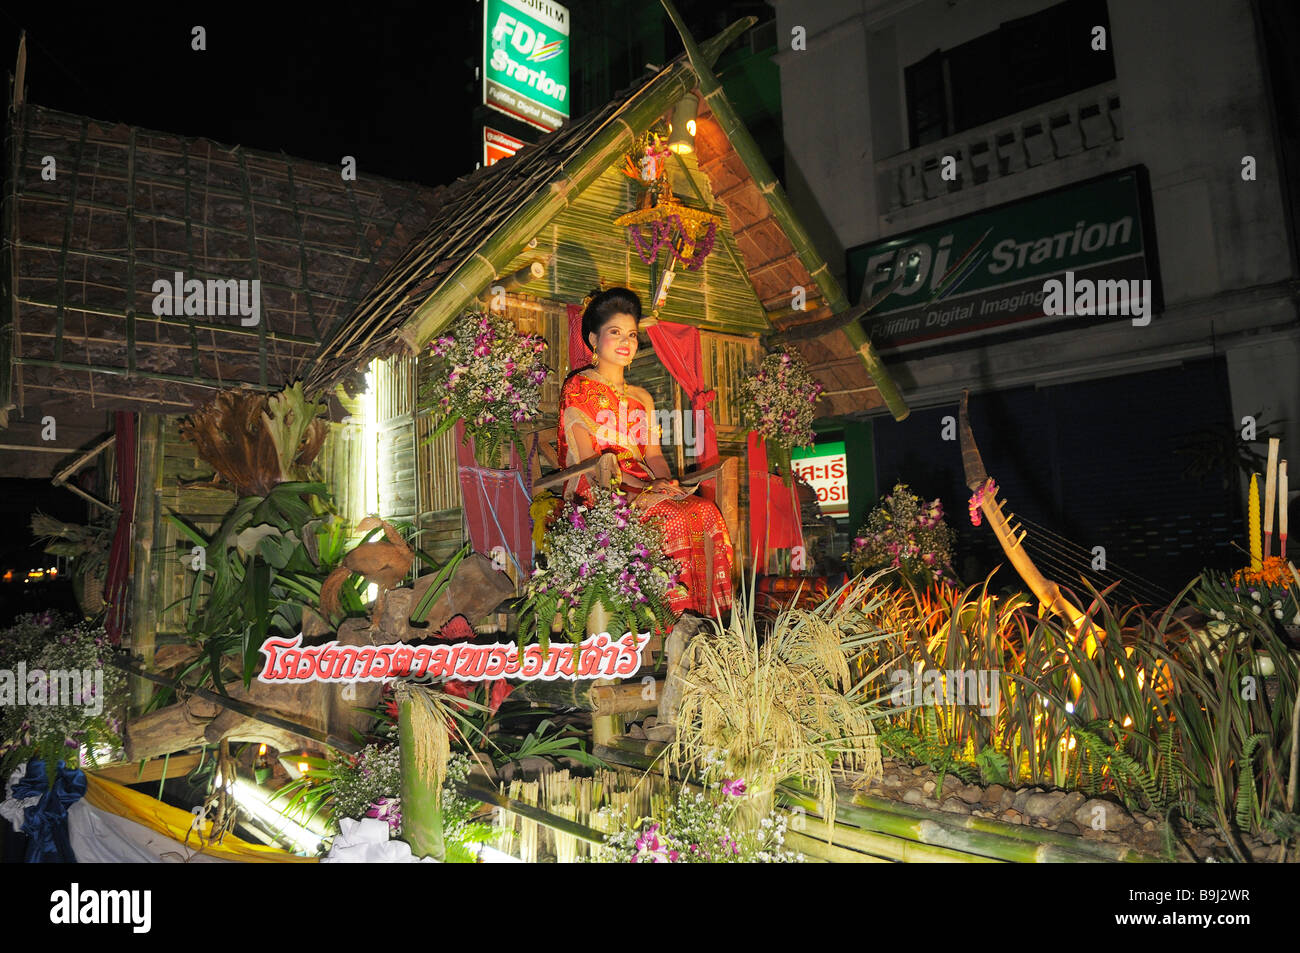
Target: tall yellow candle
[(1252, 525)]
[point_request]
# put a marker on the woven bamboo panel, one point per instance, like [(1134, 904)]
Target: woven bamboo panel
[(130, 206)]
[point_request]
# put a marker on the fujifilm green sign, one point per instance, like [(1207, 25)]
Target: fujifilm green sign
[(1078, 254), (526, 60)]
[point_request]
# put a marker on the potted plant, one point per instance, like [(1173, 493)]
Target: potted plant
[(777, 402), (492, 382), (908, 536), (605, 572)]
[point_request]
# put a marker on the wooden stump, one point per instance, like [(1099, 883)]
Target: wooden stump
[(687, 627)]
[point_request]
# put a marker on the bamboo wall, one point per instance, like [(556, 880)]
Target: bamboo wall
[(202, 507)]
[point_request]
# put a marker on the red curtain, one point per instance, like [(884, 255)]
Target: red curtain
[(579, 353), (119, 558), (496, 504), (678, 347), (773, 507)]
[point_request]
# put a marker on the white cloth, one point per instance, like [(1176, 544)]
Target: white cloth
[(12, 809), (366, 842), (100, 837)]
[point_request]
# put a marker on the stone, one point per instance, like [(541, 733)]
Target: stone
[(1067, 827), (1261, 853), (1013, 817), (650, 721), (1043, 805), (1022, 796), (912, 796), (918, 771), (992, 795), (955, 805), (636, 731), (929, 802), (1008, 799), (1102, 815), (1067, 806), (973, 793), (928, 787), (1149, 826)]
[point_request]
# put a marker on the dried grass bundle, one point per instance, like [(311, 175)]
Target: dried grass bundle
[(764, 707)]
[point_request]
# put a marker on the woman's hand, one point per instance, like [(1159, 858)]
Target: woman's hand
[(665, 485)]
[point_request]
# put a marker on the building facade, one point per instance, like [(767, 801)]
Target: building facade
[(987, 147)]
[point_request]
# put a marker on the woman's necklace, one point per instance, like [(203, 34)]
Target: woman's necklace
[(620, 388)]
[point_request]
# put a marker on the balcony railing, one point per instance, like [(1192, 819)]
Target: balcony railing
[(1088, 119)]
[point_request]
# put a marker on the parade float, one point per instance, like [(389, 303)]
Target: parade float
[(359, 612)]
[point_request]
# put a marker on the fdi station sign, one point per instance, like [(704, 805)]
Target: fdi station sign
[(825, 468), (526, 61), (1095, 235)]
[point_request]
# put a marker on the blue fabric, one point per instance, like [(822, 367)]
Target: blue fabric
[(46, 823)]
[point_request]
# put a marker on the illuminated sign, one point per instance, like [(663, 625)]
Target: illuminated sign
[(526, 60), (497, 145), (825, 468)]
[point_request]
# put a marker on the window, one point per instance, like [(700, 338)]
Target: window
[(1024, 62)]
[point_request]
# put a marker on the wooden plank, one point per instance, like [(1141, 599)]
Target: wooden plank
[(176, 766)]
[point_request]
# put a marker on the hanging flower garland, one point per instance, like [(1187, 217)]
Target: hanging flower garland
[(688, 233)]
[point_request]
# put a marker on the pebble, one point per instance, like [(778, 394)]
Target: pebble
[(955, 805), (1013, 817), (918, 771), (1261, 853), (1149, 826), (992, 795), (912, 796), (636, 731), (650, 721), (928, 787), (1067, 827), (1008, 799)]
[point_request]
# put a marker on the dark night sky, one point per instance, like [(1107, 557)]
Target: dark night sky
[(394, 87)]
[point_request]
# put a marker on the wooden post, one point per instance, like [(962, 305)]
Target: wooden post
[(603, 727), (145, 585), (421, 812)]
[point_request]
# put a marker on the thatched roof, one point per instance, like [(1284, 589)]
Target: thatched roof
[(128, 206)]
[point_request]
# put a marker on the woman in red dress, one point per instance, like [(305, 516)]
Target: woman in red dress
[(600, 411)]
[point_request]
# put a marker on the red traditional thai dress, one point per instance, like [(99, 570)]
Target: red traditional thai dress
[(695, 535)]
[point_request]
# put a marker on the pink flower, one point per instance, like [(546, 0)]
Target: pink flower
[(734, 788)]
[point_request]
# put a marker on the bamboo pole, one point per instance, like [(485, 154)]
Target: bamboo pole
[(1107, 853), (421, 813), (783, 212), (144, 576), (481, 265)]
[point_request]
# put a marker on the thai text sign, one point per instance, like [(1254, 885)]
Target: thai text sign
[(1000, 259), (497, 145), (599, 656), (825, 469), (526, 60)]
